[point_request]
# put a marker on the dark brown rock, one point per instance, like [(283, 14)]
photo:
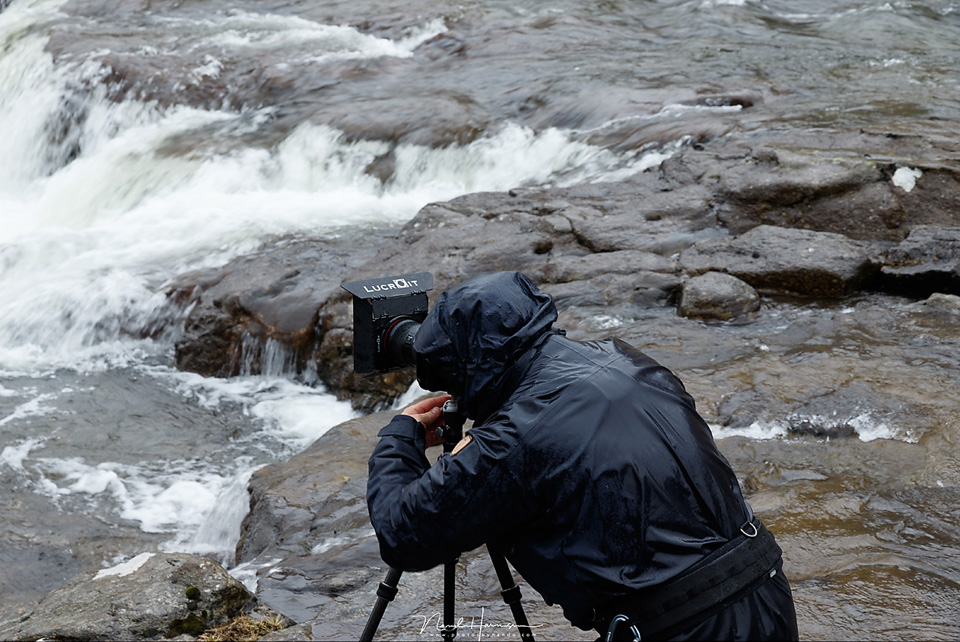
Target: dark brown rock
[(271, 295)]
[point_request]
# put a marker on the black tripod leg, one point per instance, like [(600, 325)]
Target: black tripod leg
[(449, 600), (385, 594), (511, 594)]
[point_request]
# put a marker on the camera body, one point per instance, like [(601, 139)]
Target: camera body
[(387, 312)]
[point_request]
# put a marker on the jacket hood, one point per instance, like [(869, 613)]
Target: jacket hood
[(476, 332)]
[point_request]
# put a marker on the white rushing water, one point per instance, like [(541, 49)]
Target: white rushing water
[(866, 425), (96, 215)]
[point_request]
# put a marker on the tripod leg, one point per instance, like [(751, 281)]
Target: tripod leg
[(511, 594), (449, 600), (385, 594)]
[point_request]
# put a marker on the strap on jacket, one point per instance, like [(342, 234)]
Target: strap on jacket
[(715, 582)]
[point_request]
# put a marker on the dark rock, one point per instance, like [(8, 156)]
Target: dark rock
[(665, 223), (308, 518), (282, 307), (716, 296), (269, 297), (837, 182), (319, 490), (262, 314), (927, 261), (642, 289), (785, 261), (566, 268), (610, 278), (154, 594), (808, 190), (740, 408)]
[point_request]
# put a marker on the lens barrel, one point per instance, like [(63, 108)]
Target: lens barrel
[(398, 341)]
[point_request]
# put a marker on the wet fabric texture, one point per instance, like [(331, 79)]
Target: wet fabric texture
[(589, 467)]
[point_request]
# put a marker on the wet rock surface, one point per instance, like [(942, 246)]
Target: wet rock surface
[(928, 260), (861, 489), (841, 366), (846, 411), (269, 296), (778, 260), (803, 225), (153, 595), (826, 368)]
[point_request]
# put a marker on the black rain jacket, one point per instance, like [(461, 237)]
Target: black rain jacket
[(589, 467)]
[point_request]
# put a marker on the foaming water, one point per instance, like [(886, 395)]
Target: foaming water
[(241, 30), (184, 477), (865, 425), (86, 250)]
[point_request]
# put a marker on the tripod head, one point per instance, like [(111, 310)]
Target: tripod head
[(452, 429)]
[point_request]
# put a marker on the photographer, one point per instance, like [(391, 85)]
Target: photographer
[(587, 466)]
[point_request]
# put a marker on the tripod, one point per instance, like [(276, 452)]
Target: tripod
[(452, 433)]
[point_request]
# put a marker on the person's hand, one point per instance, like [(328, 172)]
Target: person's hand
[(429, 412)]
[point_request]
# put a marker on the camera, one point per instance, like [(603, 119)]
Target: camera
[(387, 312)]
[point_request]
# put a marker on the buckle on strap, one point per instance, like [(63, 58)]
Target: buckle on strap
[(617, 619), (709, 585)]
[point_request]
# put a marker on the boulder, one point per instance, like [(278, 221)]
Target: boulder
[(716, 296), (810, 189), (785, 261), (153, 594), (643, 289)]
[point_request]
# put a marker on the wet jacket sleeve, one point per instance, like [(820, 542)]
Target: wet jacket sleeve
[(426, 515)]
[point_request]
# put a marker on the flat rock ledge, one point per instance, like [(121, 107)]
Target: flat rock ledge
[(779, 260), (152, 596)]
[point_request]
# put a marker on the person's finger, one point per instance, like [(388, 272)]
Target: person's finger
[(426, 405), (429, 417)]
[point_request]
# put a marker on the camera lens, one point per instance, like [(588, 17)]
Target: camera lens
[(398, 341)]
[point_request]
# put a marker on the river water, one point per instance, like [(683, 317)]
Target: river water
[(140, 140)]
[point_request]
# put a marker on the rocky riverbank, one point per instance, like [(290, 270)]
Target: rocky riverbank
[(803, 285), (798, 285), (153, 595), (810, 215)]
